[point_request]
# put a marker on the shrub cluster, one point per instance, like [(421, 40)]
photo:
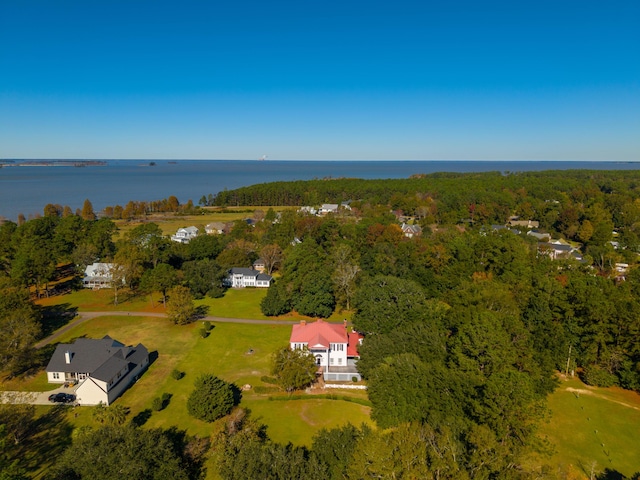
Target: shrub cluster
[(160, 403)]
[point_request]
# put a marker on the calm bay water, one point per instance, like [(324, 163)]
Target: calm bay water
[(28, 189)]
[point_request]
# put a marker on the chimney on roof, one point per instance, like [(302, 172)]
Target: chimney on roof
[(303, 322), (345, 323), (67, 357)]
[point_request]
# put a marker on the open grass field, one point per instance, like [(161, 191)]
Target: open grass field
[(245, 303), (88, 300), (590, 424), (236, 303), (170, 222)]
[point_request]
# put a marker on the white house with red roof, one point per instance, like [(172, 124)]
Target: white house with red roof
[(335, 348)]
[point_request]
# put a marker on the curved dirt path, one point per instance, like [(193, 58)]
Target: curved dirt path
[(85, 316), (582, 391)]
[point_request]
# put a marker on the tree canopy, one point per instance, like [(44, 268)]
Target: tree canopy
[(293, 369), (212, 398)]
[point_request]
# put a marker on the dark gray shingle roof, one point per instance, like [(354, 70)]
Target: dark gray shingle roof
[(102, 358)]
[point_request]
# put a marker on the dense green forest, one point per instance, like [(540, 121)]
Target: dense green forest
[(466, 326)]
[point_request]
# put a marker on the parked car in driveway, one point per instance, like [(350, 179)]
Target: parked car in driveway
[(61, 398)]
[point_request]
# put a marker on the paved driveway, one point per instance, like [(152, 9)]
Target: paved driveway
[(33, 398)]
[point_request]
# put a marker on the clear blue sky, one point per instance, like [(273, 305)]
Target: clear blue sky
[(304, 79)]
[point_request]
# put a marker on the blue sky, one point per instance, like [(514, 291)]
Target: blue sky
[(457, 80)]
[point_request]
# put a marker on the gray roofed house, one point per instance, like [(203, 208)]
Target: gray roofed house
[(559, 251), (328, 208), (216, 228), (185, 235), (247, 277), (98, 275), (411, 231), (102, 368), (543, 237)]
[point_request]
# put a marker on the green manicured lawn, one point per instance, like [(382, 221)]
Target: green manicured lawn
[(245, 303), (88, 300), (236, 303), (594, 424), (238, 353), (297, 421)]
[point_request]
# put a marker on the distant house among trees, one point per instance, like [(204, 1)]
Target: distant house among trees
[(529, 224), (542, 237), (326, 208), (216, 228), (411, 231), (260, 265), (185, 235), (98, 275), (103, 368), (335, 349), (247, 277), (557, 251)]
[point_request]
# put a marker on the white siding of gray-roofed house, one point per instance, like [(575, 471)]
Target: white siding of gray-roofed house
[(247, 277), (101, 368), (98, 275), (411, 231), (308, 210), (558, 251), (326, 208), (185, 235)]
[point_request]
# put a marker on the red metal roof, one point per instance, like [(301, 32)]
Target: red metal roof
[(318, 334), (354, 342)]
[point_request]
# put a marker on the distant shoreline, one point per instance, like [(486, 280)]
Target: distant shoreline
[(54, 163)]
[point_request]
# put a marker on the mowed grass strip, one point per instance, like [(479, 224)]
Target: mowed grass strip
[(297, 421), (594, 424)]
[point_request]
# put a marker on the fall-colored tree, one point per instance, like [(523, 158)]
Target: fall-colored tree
[(87, 211)]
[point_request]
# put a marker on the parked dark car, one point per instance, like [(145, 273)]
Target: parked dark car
[(61, 398)]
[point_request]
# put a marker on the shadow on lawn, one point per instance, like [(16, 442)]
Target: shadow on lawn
[(51, 435), (56, 316), (201, 312), (610, 474), (141, 418)]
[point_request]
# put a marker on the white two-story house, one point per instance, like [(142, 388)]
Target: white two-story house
[(334, 348), (185, 235), (247, 277)]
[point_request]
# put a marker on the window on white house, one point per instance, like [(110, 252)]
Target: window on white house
[(340, 361), (56, 376)]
